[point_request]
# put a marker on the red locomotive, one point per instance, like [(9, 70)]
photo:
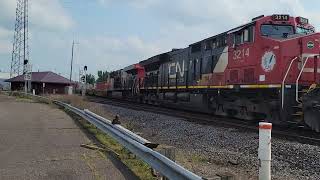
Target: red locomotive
[(263, 70)]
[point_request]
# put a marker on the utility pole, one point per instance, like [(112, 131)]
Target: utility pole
[(71, 61), (72, 55)]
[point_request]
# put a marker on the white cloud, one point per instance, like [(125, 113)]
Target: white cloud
[(42, 13), (5, 47), (102, 52), (5, 43), (226, 13), (49, 14), (44, 16), (5, 33)]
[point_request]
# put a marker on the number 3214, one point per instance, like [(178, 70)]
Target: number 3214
[(241, 53)]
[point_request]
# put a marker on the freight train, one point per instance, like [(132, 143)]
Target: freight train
[(266, 70)]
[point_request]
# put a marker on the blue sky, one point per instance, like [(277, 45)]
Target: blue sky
[(112, 34)]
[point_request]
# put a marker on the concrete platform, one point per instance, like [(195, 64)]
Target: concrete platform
[(38, 141)]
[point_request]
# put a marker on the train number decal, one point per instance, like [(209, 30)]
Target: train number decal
[(241, 53)]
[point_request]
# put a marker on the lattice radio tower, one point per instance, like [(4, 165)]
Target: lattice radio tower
[(20, 52)]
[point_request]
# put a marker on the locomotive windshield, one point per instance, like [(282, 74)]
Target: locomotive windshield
[(276, 31)]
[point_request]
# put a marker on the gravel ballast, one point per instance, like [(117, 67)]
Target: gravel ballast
[(222, 150)]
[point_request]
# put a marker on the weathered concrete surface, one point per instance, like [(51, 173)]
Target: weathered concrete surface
[(38, 141)]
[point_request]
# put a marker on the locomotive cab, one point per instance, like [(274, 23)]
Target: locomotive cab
[(277, 57)]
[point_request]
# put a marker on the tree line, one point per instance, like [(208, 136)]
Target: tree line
[(102, 77)]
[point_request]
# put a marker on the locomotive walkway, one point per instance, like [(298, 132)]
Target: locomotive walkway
[(38, 141)]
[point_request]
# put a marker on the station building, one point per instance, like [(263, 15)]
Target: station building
[(42, 82)]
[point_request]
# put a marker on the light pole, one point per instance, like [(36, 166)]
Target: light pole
[(71, 64)]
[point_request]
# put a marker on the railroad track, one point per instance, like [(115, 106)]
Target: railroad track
[(298, 134)]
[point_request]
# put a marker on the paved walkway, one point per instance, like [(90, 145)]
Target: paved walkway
[(38, 141)]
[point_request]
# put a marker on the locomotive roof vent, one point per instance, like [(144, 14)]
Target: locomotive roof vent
[(258, 17), (176, 49)]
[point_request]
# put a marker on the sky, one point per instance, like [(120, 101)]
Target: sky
[(112, 34)]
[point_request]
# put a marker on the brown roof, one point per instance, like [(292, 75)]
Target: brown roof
[(42, 77)]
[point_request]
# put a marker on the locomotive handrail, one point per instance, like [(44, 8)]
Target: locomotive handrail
[(297, 81), (284, 79)]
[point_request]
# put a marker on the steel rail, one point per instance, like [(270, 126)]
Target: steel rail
[(284, 132)]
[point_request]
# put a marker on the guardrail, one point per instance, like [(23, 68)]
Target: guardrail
[(137, 145)]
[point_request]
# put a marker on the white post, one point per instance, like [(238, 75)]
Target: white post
[(264, 151), (33, 91)]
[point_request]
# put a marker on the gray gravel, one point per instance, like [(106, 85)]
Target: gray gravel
[(227, 149)]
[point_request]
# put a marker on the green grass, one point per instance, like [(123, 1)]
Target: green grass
[(137, 166), (196, 158)]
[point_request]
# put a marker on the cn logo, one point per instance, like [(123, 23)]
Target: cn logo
[(175, 68)]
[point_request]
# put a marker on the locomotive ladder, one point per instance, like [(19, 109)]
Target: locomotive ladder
[(301, 71), (298, 78), (283, 81)]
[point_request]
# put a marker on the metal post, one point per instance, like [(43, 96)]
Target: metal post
[(25, 86), (71, 61), (24, 44), (315, 68), (264, 151)]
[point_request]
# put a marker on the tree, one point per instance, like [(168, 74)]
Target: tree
[(102, 76), (90, 79)]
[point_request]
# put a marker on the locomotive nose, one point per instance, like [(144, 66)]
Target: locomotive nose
[(310, 44)]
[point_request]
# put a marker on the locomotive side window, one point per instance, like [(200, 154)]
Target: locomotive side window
[(195, 69), (214, 43), (196, 48), (301, 30), (208, 45), (222, 41), (243, 36), (239, 38), (207, 65), (276, 31), (246, 35)]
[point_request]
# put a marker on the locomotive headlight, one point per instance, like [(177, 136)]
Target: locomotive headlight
[(302, 20)]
